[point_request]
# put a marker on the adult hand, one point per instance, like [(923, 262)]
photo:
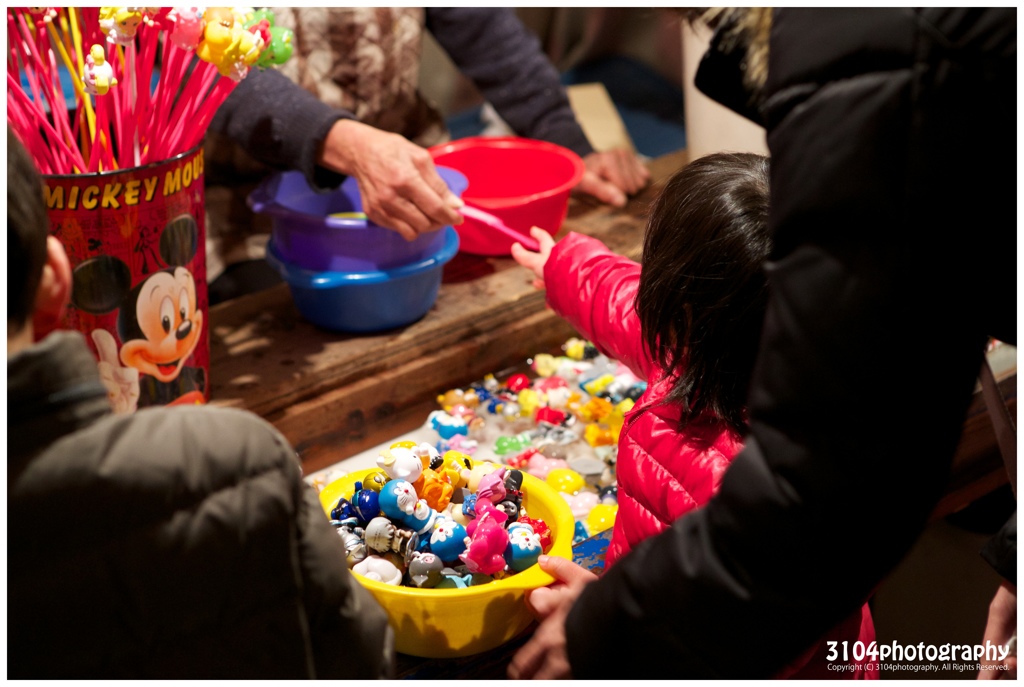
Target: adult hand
[(399, 184), (535, 261), (613, 175), (1001, 626), (544, 657)]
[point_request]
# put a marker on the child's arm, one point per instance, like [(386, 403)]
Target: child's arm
[(594, 289)]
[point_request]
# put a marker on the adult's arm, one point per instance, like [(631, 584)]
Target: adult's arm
[(284, 126), (892, 195), (492, 48), (280, 124)]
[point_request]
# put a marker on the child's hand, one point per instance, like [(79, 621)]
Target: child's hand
[(535, 261)]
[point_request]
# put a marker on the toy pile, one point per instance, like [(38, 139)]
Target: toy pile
[(561, 426), (450, 514)]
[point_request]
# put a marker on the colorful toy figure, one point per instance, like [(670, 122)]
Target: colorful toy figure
[(355, 545), (541, 529), (365, 503), (401, 463), (485, 551), (565, 480), (541, 465), (120, 23), (379, 568), (517, 383), (97, 75), (398, 501), (454, 397), (383, 537), (523, 548), (434, 488), (424, 570), (447, 425), (448, 540), (43, 15), (512, 444), (227, 45), (188, 27), (492, 486)]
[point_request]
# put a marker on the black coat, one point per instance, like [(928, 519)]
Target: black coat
[(892, 135), (173, 543)]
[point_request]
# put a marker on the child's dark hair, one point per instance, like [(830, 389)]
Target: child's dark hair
[(702, 290), (27, 228)]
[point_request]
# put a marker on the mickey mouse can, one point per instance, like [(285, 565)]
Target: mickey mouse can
[(136, 240)]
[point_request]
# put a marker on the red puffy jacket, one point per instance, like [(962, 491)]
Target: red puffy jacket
[(662, 473)]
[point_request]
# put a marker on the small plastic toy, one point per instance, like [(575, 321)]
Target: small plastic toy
[(424, 570), (188, 27), (448, 540), (524, 547), (383, 537), (365, 503), (379, 568), (517, 383), (541, 465), (485, 552), (447, 425), (400, 463), (581, 504), (492, 486), (434, 488), (120, 23), (97, 75), (398, 501)]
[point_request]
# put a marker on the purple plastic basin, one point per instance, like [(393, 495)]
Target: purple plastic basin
[(307, 236)]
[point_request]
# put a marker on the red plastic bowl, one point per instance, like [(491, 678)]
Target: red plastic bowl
[(523, 181)]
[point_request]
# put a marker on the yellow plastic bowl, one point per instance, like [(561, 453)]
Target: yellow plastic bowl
[(446, 623)]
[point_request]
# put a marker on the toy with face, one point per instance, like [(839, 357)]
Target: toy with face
[(448, 540), (485, 551), (492, 485), (98, 75), (365, 503), (398, 501), (425, 570), (383, 537), (120, 23), (400, 463), (434, 489), (524, 546)]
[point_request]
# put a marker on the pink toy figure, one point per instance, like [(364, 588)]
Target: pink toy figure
[(492, 486), (493, 513), (120, 23), (485, 548), (188, 27), (98, 75), (540, 465)]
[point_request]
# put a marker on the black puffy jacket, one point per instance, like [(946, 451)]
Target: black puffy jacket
[(173, 543), (893, 141)]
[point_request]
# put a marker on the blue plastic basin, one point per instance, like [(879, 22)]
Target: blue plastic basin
[(366, 301)]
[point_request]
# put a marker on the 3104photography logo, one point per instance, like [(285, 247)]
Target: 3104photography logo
[(921, 657)]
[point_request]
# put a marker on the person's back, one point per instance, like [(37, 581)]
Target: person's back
[(688, 322), (170, 543)]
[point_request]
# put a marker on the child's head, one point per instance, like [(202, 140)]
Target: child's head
[(27, 228), (702, 289)]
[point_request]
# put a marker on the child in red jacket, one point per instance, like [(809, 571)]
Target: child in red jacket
[(688, 323)]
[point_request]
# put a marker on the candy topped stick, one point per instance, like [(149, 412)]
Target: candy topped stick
[(98, 75)]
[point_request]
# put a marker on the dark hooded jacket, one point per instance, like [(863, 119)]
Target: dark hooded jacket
[(172, 543), (893, 206)]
